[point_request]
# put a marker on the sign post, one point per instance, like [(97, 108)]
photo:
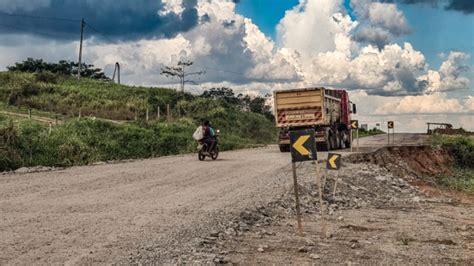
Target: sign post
[(391, 125), (355, 125), (303, 148), (334, 163)]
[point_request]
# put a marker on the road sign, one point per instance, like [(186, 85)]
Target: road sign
[(354, 124), (303, 145), (334, 161), (390, 124)]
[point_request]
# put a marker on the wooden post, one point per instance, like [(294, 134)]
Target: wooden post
[(147, 114), (335, 183), (29, 113), (80, 113), (357, 132), (168, 112), (351, 139), (50, 127), (321, 191), (388, 134), (158, 115), (297, 200), (57, 120)]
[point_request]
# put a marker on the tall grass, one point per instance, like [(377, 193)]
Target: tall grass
[(461, 149), (84, 141)]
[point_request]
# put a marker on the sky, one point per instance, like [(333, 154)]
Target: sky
[(410, 61)]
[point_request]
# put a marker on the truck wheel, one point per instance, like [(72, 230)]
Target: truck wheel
[(334, 142), (325, 146), (347, 144), (284, 148)]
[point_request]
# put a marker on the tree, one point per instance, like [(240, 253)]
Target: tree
[(63, 67), (179, 72), (223, 93)]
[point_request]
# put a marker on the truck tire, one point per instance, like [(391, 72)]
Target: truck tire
[(325, 146), (284, 148), (347, 144)]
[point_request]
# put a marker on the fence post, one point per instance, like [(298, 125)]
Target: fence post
[(146, 117), (168, 112), (158, 114), (29, 113)]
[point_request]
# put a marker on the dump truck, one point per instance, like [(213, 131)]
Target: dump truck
[(326, 111)]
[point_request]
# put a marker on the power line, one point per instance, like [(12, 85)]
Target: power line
[(88, 25), (100, 33), (40, 17), (12, 27)]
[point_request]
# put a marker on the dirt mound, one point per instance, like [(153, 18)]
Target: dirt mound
[(405, 161)]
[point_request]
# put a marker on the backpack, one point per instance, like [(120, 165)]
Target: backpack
[(198, 134), (212, 132)]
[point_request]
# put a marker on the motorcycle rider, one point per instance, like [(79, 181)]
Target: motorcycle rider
[(209, 135)]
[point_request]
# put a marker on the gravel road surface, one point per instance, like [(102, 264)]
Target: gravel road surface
[(152, 209)]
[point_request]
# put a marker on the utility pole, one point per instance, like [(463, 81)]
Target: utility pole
[(117, 72), (80, 49)]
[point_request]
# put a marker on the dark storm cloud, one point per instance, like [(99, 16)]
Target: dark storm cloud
[(118, 19), (464, 6), (376, 36)]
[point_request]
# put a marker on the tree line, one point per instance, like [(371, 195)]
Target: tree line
[(63, 67)]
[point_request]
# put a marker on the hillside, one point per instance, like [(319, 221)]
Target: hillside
[(101, 121)]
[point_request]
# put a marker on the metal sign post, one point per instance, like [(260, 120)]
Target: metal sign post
[(391, 125), (355, 125), (303, 148), (334, 163)]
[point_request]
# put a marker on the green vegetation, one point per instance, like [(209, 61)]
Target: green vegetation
[(66, 68), (370, 132), (461, 149), (244, 121)]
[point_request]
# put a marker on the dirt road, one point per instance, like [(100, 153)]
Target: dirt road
[(406, 139), (144, 211), (108, 213)]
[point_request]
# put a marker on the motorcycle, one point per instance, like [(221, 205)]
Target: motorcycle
[(203, 149)]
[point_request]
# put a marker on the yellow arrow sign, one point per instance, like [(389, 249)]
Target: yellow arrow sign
[(332, 161), (298, 146), (354, 124)]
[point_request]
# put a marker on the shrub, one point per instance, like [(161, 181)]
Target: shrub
[(46, 77)]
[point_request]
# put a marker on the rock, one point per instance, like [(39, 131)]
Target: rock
[(214, 234), (260, 249), (244, 227), (303, 249), (416, 199), (22, 170), (309, 242), (230, 232), (340, 218), (314, 256), (221, 260)]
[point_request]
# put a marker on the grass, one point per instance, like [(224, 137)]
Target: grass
[(461, 148), (367, 133), (25, 143), (462, 180)]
